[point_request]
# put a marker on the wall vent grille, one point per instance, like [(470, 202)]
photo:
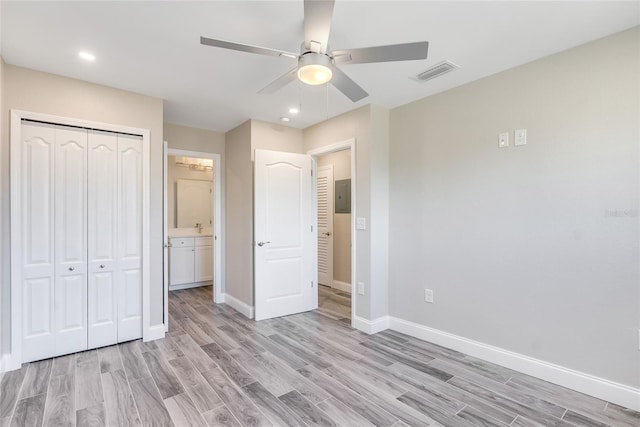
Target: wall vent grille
[(435, 71)]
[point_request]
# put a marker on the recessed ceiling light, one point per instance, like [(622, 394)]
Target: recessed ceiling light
[(294, 110), (284, 119), (87, 56)]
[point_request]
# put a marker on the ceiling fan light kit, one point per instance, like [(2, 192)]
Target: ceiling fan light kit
[(314, 69), (316, 63)]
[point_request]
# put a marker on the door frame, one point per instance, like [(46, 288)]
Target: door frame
[(349, 144), (149, 332), (218, 294)]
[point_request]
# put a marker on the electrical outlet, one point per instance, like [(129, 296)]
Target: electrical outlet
[(520, 137), (428, 295), (360, 288), (503, 140)]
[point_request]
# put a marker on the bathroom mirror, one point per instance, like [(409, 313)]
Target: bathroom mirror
[(193, 203)]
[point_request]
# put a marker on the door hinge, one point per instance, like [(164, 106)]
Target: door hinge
[(311, 172), (312, 228), (312, 283)]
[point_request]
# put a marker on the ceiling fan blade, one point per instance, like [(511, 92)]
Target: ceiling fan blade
[(246, 48), (393, 52), (344, 84), (280, 82), (317, 24)]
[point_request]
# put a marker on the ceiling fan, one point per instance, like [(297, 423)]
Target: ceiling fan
[(316, 63)]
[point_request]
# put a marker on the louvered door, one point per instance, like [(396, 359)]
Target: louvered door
[(325, 225)]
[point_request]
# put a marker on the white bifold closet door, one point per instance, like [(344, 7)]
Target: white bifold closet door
[(103, 225), (81, 239), (54, 250), (129, 275), (115, 246)]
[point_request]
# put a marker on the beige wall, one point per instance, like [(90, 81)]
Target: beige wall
[(35, 91), (269, 136), (193, 139), (533, 249), (341, 162), (239, 214), (174, 173), (371, 140)]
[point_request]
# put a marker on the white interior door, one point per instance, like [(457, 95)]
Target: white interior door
[(102, 218), (325, 225), (129, 276), (37, 257), (71, 240), (283, 230)]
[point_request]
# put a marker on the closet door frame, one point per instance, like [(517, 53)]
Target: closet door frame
[(14, 359)]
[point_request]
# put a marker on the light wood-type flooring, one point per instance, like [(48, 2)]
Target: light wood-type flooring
[(334, 303), (218, 368)]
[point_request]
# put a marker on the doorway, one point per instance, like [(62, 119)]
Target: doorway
[(192, 222), (334, 234)]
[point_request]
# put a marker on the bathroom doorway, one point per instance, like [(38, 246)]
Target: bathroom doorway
[(192, 222)]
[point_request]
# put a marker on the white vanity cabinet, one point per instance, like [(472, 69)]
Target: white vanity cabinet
[(190, 261), (203, 263)]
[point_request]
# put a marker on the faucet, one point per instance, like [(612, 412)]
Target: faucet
[(199, 227)]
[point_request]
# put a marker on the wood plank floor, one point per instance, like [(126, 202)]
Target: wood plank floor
[(334, 303), (218, 368)]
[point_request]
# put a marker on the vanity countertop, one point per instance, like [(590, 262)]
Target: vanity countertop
[(190, 232)]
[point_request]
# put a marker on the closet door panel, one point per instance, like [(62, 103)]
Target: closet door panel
[(102, 218), (38, 263), (129, 237), (70, 240)]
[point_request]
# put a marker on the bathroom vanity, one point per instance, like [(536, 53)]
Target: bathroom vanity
[(190, 259)]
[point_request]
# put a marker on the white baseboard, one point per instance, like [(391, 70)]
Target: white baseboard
[(189, 285), (242, 307), (221, 299), (11, 363), (341, 286), (601, 388), (3, 362), (371, 326), (155, 332)]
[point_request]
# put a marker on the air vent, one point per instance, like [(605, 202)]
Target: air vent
[(435, 71)]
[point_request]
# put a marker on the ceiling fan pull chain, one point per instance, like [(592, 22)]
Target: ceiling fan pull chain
[(327, 86)]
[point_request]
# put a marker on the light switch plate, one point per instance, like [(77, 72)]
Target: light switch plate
[(361, 224), (360, 288), (520, 137), (503, 140)]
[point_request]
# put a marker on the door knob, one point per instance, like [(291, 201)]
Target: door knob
[(71, 268), (101, 265), (262, 243), (327, 234)]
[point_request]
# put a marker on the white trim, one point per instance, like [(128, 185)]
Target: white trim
[(218, 232), (190, 285), (242, 307), (165, 238), (155, 332), (14, 359), (601, 388), (370, 326), (349, 144), (341, 286)]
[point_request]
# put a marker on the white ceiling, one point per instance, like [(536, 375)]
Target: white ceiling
[(152, 47)]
